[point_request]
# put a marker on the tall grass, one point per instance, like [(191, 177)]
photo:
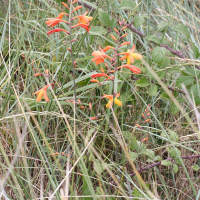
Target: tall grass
[(49, 151)]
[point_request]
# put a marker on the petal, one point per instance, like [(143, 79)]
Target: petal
[(131, 59), (45, 96), (128, 60), (118, 102), (136, 55), (40, 95), (109, 104), (122, 58), (133, 49)]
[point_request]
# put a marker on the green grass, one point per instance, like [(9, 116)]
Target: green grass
[(99, 156)]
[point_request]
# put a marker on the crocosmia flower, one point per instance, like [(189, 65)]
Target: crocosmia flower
[(83, 18), (57, 30), (130, 56), (99, 56), (43, 92), (85, 26), (133, 68), (99, 75), (53, 22), (110, 102)]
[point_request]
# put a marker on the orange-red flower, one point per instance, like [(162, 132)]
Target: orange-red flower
[(60, 16), (57, 30), (130, 56), (64, 4), (107, 48), (83, 18), (99, 56), (110, 102), (53, 22), (95, 81), (43, 92), (78, 7), (94, 118), (85, 26), (113, 37), (133, 68), (99, 75), (125, 43), (90, 106)]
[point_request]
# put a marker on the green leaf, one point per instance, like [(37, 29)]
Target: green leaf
[(185, 80), (133, 156), (133, 143), (165, 62), (154, 90), (142, 82), (153, 38), (127, 4), (162, 26), (149, 153), (158, 54), (191, 71), (181, 28), (97, 30), (175, 168), (195, 89), (196, 167), (104, 18), (138, 20), (196, 51), (157, 158), (99, 167), (174, 109), (164, 95), (166, 163), (173, 136), (113, 23)]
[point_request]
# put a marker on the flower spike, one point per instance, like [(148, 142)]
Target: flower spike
[(99, 57), (83, 18), (110, 102), (85, 26)]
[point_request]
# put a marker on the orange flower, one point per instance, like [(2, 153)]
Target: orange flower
[(110, 102), (65, 5), (124, 35), (57, 30), (53, 22), (130, 55), (85, 26), (74, 1), (43, 92), (133, 68), (145, 139), (95, 81), (60, 16), (99, 56), (78, 7), (125, 43), (94, 118), (107, 48), (83, 18), (38, 74), (99, 75), (113, 37), (90, 106)]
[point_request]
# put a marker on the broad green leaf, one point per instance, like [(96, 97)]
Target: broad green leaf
[(158, 54), (174, 108), (133, 143), (113, 23), (191, 71), (127, 4), (154, 90), (165, 96), (138, 20), (157, 158), (184, 80), (181, 28), (196, 167), (195, 89), (104, 18), (196, 51), (153, 38), (173, 136), (162, 26), (166, 163), (97, 30), (165, 62), (175, 168), (142, 82), (133, 155), (149, 153)]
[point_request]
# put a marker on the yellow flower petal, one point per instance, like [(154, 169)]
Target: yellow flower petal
[(118, 102)]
